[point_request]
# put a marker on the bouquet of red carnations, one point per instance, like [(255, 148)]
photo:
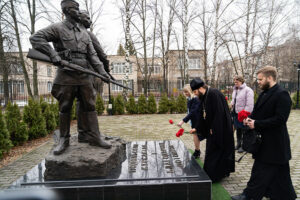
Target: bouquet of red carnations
[(180, 132), (243, 114)]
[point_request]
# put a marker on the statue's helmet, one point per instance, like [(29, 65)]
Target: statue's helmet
[(68, 4)]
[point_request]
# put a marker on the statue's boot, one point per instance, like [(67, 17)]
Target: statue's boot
[(92, 134), (64, 128)]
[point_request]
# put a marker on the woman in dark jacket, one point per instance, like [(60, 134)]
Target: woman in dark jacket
[(193, 105)]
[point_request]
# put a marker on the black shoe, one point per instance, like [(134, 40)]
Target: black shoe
[(196, 154), (239, 197), (241, 150), (62, 146)]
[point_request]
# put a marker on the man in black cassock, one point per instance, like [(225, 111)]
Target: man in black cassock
[(270, 175), (215, 124)]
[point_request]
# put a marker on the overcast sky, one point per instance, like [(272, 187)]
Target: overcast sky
[(109, 26)]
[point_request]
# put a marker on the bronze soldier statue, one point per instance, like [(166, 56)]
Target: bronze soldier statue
[(72, 43), (82, 125)]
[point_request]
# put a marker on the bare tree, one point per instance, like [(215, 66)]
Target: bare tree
[(127, 5), (165, 37), (21, 55), (3, 63), (205, 25)]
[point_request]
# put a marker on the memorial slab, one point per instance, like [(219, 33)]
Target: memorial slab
[(158, 170)]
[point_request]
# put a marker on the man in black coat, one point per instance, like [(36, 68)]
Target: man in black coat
[(270, 176), (215, 123)]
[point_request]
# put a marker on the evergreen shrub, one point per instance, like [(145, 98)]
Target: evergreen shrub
[(131, 106), (172, 105), (5, 143), (73, 111), (181, 104), (54, 107), (34, 119), (99, 105), (294, 100), (163, 105), (119, 105), (142, 104), (151, 104), (16, 127)]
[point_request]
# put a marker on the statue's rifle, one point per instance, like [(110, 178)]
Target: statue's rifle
[(39, 56)]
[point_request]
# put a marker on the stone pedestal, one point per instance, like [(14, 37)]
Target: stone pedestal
[(81, 160)]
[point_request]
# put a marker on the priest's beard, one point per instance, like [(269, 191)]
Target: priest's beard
[(200, 95), (265, 86)]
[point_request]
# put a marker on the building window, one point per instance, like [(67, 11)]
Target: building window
[(116, 88), (1, 88), (155, 69), (16, 87), (49, 86), (119, 68), (194, 63), (49, 71)]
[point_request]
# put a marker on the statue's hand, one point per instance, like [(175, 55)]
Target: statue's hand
[(101, 71), (56, 60)]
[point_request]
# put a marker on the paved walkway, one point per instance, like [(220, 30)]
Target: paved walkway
[(157, 127)]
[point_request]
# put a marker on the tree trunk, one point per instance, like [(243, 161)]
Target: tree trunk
[(127, 44), (145, 48), (185, 42), (3, 66), (32, 15), (22, 61), (216, 32)]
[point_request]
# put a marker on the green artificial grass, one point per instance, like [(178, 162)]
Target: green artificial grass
[(218, 191)]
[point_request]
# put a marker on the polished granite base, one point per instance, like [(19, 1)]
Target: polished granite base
[(152, 170)]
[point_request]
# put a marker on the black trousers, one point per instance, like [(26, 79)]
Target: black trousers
[(270, 180)]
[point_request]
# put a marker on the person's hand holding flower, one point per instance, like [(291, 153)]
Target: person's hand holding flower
[(180, 123)]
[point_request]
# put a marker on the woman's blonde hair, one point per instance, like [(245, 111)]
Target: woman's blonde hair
[(187, 88)]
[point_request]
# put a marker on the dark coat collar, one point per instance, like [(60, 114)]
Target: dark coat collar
[(263, 98)]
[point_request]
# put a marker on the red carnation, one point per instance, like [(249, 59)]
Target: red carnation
[(226, 98), (171, 121), (243, 114), (180, 132)]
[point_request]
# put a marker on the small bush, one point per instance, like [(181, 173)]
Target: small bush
[(16, 128), (181, 104), (49, 118), (119, 105), (5, 143), (172, 105), (73, 111), (163, 104), (131, 106), (99, 105), (151, 104), (34, 119), (142, 104), (294, 100)]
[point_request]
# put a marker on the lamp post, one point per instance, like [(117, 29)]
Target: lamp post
[(298, 70)]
